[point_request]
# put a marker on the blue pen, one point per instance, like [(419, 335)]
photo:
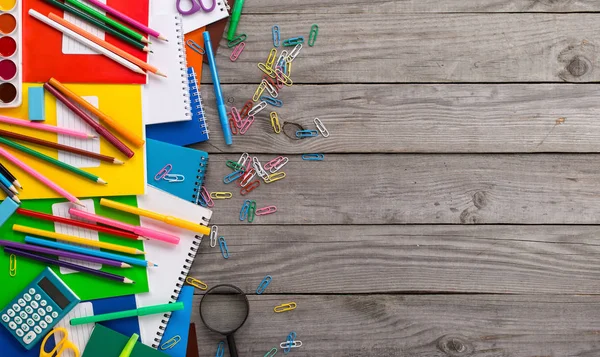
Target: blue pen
[(8, 184), (217, 86)]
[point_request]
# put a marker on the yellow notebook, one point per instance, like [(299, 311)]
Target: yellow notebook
[(121, 102)]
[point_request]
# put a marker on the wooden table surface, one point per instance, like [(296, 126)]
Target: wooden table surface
[(457, 210)]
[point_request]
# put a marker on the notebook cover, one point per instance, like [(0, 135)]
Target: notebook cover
[(75, 68), (179, 323), (105, 342), (192, 345)]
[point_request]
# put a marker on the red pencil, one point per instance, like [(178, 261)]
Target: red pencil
[(73, 222)]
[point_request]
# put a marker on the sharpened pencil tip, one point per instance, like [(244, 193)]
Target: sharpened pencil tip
[(90, 136), (139, 70), (13, 189), (125, 265), (158, 73), (145, 40), (100, 180), (118, 162), (79, 203), (161, 37), (16, 199), (128, 281), (16, 182)]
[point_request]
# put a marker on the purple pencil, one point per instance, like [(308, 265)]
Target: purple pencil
[(119, 15), (77, 267)]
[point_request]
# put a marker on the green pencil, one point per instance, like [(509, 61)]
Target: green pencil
[(100, 16), (82, 15), (142, 311), (51, 160)]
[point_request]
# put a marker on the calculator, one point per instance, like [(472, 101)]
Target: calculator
[(40, 306)]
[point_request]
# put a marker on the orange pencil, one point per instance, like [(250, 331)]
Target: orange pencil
[(106, 45)]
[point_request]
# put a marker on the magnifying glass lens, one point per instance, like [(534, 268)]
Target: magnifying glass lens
[(224, 309)]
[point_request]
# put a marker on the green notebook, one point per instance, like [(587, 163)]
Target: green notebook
[(105, 342), (86, 286)]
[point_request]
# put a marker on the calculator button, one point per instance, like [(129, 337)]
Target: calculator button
[(48, 319), (16, 307), (31, 291), (5, 318), (12, 325), (27, 297), (30, 322), (35, 317), (54, 314), (23, 314), (49, 308), (25, 327), (29, 337), (43, 324), (21, 302), (10, 312), (37, 297), (28, 310), (19, 332), (41, 311), (43, 302), (34, 304), (37, 330), (18, 320)]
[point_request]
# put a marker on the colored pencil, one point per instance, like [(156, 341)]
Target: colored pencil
[(100, 16), (76, 240), (72, 266), (76, 223), (52, 160), (9, 193), (89, 251), (4, 171), (61, 147), (4, 180), (137, 140), (105, 133), (56, 188), (45, 127), (128, 20), (64, 254), (125, 63), (85, 17)]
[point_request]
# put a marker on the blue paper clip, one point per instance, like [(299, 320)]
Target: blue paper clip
[(276, 36), (194, 46), (293, 41), (220, 349), (313, 157), (223, 247), (263, 284), (290, 341), (300, 134), (272, 101), (233, 176), (244, 210)]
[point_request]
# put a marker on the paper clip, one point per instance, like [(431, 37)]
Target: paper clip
[(196, 47), (272, 101), (301, 134), (275, 177), (232, 177), (285, 307), (263, 285), (12, 265), (271, 352), (283, 67), (266, 210), (223, 247), (289, 68), (170, 343), (214, 232), (237, 119), (273, 162), (251, 211), (220, 195), (236, 41), (268, 71), (244, 210), (275, 123), (174, 178), (288, 345), (321, 127), (312, 37), (200, 200), (313, 157), (234, 165), (294, 53), (276, 36), (249, 188), (279, 165), (243, 158), (279, 81), (246, 124), (283, 77), (232, 126), (257, 166), (257, 108), (259, 90), (220, 349), (293, 41), (248, 176), (196, 283), (246, 108), (206, 197), (163, 172), (282, 58), (237, 51), (271, 89), (271, 59)]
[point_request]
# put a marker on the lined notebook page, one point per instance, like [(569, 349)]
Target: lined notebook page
[(79, 335), (65, 118), (72, 47)]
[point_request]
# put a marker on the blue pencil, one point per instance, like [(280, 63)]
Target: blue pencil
[(88, 251), (8, 184)]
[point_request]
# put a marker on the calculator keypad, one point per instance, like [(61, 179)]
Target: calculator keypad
[(19, 332), (29, 337), (18, 320), (34, 304), (10, 312)]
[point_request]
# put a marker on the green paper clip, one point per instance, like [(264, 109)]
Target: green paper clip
[(235, 166), (236, 41), (293, 41), (170, 343), (251, 211), (312, 37)]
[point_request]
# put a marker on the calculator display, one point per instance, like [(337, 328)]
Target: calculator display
[(53, 292)]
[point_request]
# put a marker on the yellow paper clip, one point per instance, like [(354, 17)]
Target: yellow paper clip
[(289, 68), (170, 342), (285, 307), (275, 122), (196, 283), (220, 195), (13, 265), (259, 91), (271, 59), (268, 71), (274, 177)]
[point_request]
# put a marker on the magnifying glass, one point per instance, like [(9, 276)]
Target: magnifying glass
[(224, 309)]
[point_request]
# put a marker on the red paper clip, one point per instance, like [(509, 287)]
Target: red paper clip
[(237, 51), (266, 210), (249, 175), (234, 129), (206, 197), (246, 108), (251, 186)]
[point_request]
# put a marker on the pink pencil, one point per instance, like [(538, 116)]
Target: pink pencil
[(119, 15), (61, 191), (140, 231), (45, 127)]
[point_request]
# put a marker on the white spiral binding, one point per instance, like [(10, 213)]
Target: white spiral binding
[(183, 63), (196, 101)]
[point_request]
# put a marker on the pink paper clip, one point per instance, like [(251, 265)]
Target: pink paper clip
[(206, 197), (279, 81), (163, 172), (266, 210), (237, 119), (273, 162), (237, 51), (246, 124)]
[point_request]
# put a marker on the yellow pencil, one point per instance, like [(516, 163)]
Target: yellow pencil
[(174, 221), (76, 240)]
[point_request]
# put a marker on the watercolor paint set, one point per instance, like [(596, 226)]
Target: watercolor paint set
[(11, 52)]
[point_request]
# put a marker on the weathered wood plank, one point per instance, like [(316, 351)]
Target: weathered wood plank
[(400, 48), (418, 326), (400, 189), (461, 118), (391, 259)]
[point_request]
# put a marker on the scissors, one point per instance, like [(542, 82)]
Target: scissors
[(61, 346), (196, 6)]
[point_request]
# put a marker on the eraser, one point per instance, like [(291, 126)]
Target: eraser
[(7, 209), (36, 103)]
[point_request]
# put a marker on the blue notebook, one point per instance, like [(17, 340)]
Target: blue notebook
[(188, 163), (183, 132), (179, 324)]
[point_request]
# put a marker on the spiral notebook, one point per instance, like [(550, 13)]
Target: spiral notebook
[(167, 99)]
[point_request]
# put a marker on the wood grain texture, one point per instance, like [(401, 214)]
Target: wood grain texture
[(439, 48), (392, 259), (425, 189), (418, 326), (441, 118)]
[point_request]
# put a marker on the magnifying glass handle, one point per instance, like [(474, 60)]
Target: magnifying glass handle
[(232, 347)]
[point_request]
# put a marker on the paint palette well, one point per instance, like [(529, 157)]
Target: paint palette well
[(11, 69)]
